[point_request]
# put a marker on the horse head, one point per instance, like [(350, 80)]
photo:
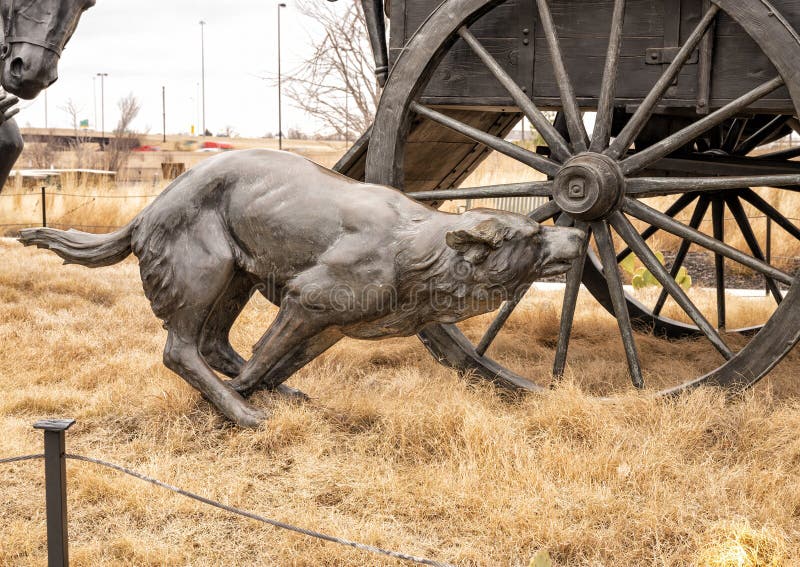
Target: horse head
[(34, 34)]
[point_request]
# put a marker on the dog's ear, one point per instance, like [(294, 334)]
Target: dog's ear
[(477, 242)]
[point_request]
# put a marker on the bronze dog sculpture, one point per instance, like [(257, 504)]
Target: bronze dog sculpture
[(340, 258)]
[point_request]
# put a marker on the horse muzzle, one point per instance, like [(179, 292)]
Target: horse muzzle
[(28, 69)]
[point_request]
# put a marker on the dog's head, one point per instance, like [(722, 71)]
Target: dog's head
[(511, 247)]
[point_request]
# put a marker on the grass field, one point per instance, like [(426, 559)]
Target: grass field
[(393, 450)]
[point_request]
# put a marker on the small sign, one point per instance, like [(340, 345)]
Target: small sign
[(84, 124)]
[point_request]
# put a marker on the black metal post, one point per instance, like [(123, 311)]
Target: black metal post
[(55, 477), (102, 110), (44, 207), (769, 250)]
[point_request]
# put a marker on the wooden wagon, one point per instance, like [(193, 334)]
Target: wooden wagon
[(687, 99)]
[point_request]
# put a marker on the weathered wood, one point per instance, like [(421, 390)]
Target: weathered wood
[(750, 45), (652, 216), (530, 189), (697, 217), (602, 236), (571, 290), (605, 109), (625, 229), (498, 144), (657, 186)]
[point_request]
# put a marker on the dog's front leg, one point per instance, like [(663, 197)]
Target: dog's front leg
[(282, 347), (292, 362)]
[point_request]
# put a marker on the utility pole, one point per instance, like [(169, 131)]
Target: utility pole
[(164, 109), (45, 109), (203, 69), (346, 101), (94, 100), (102, 110), (280, 110)]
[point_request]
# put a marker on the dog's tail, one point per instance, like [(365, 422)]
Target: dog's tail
[(75, 247)]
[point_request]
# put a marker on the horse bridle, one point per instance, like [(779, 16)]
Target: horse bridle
[(8, 39)]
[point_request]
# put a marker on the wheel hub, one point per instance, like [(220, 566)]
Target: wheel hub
[(589, 187)]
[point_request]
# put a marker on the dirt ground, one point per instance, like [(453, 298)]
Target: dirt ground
[(393, 450)]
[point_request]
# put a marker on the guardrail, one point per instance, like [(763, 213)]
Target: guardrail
[(55, 471)]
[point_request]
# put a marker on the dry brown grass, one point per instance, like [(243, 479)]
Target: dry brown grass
[(394, 450)]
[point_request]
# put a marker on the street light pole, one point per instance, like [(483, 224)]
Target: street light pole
[(102, 110), (203, 69), (164, 110), (94, 101), (280, 110)]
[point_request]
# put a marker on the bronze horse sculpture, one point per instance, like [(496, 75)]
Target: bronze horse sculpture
[(338, 257), (33, 34)]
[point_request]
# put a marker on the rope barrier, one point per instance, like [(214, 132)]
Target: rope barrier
[(258, 518), (38, 224), (19, 459), (59, 194)]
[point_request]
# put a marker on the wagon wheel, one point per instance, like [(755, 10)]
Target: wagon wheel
[(600, 183), (738, 147)]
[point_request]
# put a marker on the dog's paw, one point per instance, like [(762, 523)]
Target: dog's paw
[(250, 417)]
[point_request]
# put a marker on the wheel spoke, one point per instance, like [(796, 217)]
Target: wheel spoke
[(605, 245), (546, 212), (734, 135), (650, 155), (791, 153), (697, 217), (678, 206), (718, 228), (573, 287), (628, 233), (759, 203), (739, 214), (652, 216), (657, 186), (761, 136), (499, 321), (634, 126), (529, 189), (572, 112), (522, 155), (605, 108), (555, 141)]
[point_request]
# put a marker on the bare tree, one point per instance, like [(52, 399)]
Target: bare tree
[(78, 144), (124, 139), (41, 155), (228, 132), (337, 83)]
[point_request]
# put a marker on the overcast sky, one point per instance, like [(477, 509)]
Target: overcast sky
[(145, 44)]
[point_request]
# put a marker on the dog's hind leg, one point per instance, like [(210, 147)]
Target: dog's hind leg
[(182, 356), (184, 280), (216, 347), (284, 344)]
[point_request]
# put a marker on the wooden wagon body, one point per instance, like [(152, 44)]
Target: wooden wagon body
[(690, 98), (726, 64)]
